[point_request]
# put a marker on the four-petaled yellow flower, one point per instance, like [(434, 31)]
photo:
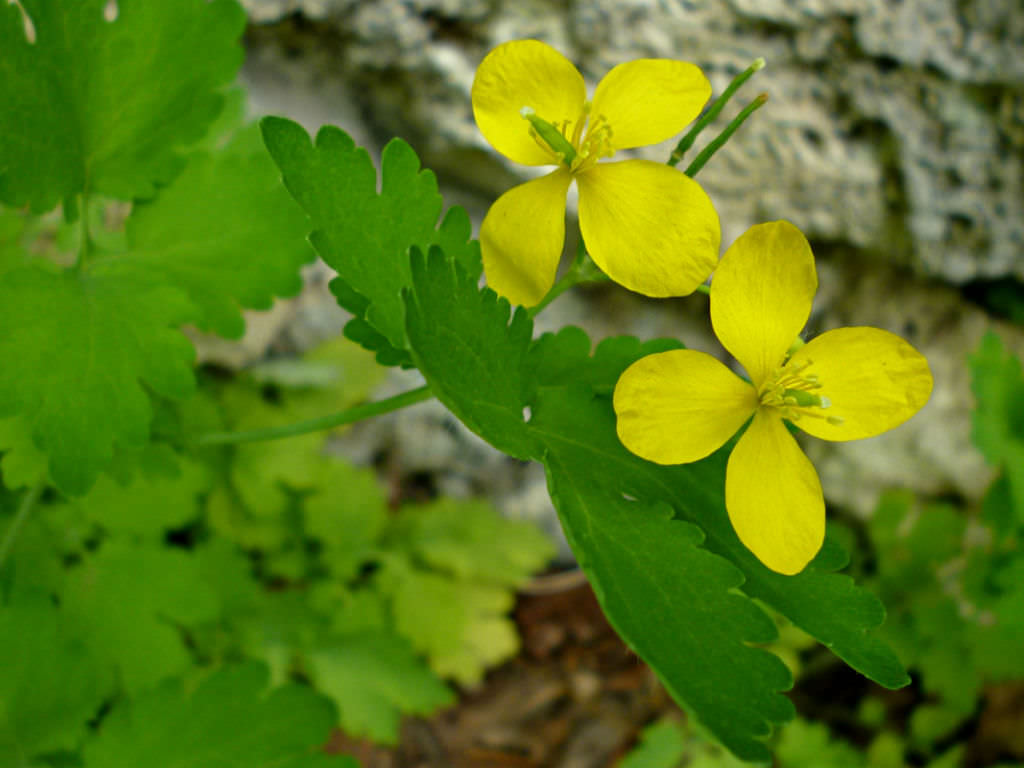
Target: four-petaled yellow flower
[(849, 383), (646, 225)]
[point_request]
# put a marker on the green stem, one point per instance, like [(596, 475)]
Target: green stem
[(687, 141), (724, 136), (360, 412), (704, 288), (85, 247), (28, 503), (582, 270)]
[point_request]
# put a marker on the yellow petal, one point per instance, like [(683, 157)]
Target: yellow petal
[(522, 236), (679, 406), (761, 295), (525, 73), (774, 497), (648, 226), (648, 100), (873, 379)]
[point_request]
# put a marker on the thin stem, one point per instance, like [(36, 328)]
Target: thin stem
[(582, 270), (28, 503), (85, 247), (557, 290), (687, 141), (704, 288), (360, 412), (724, 136)]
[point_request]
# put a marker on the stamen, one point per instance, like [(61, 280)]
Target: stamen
[(792, 392)]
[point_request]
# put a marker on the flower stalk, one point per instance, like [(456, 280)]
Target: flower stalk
[(320, 423)]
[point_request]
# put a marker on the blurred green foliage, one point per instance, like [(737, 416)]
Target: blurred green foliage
[(273, 552)]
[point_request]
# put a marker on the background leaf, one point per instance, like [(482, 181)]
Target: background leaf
[(998, 419), (80, 106), (374, 677), (225, 232), (229, 720), (130, 605), (51, 686), (85, 345)]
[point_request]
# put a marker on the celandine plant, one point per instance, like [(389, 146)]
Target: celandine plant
[(684, 541)]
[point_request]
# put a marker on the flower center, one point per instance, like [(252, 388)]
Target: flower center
[(578, 145), (791, 391)]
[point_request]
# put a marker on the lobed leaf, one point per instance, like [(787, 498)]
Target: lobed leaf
[(52, 685), (374, 678), (225, 232), (128, 604), (88, 347), (469, 351), (655, 541), (366, 235), (229, 720), (107, 106)]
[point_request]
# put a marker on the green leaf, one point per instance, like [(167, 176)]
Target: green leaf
[(229, 720), (347, 513), (106, 107), (51, 686), (998, 419), (672, 601), (662, 745), (265, 473), (374, 678), (803, 743), (471, 541), (461, 626), (148, 506), (696, 493), (23, 465), (88, 346), (469, 352), (338, 375), (129, 604), (364, 235), (226, 232), (666, 584)]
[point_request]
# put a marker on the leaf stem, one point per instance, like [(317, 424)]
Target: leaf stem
[(582, 270), (724, 136), (687, 141), (348, 416), (28, 503), (85, 247)]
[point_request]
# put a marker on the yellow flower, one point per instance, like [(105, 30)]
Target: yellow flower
[(849, 383), (647, 225)]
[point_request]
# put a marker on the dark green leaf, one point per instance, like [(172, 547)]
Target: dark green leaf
[(673, 601), (364, 235), (469, 351)]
